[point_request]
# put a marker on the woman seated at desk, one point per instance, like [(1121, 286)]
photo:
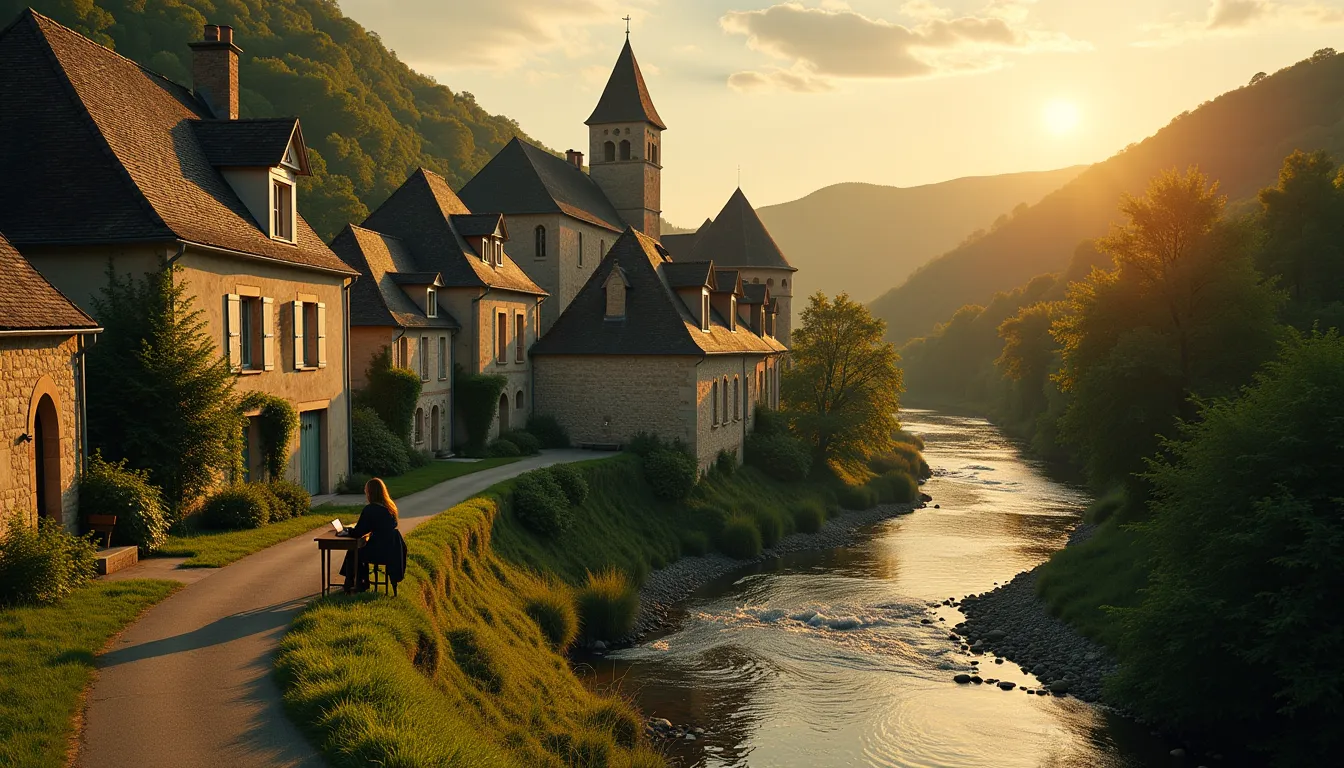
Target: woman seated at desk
[(386, 547)]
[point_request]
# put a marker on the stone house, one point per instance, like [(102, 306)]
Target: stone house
[(680, 349), (109, 165), (737, 239), (432, 237), (563, 218), (42, 341)]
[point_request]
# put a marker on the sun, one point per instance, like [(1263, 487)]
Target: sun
[(1061, 118)]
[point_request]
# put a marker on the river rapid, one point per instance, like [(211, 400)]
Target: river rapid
[(868, 684)]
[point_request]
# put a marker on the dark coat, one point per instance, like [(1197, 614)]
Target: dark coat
[(386, 547)]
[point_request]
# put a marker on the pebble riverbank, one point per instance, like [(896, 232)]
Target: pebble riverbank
[(667, 587)]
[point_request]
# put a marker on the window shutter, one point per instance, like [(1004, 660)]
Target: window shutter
[(233, 340), (321, 335), (298, 335), (267, 334)]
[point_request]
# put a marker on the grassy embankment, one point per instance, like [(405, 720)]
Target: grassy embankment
[(215, 549), (47, 660), (454, 672)]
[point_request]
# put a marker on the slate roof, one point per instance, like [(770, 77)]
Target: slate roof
[(626, 98), (656, 321), (754, 293), (680, 246), (522, 179), (29, 303), (98, 149), (727, 281), (688, 274), (259, 143), (477, 224), (422, 214), (376, 298), (737, 238)]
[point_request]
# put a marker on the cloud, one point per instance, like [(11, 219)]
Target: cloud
[(825, 44), (1225, 18), (499, 34)]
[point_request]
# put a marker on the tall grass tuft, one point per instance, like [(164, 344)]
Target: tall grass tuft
[(551, 605), (608, 605), (740, 538), (808, 516)]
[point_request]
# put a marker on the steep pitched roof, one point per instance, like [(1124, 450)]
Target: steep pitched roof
[(689, 274), (29, 303), (421, 214), (250, 143), (656, 321), (626, 98), (737, 238), (377, 298), (754, 293), (522, 179), (99, 149), (477, 224), (727, 281)]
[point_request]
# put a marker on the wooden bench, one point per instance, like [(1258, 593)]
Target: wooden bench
[(103, 525), (111, 559)]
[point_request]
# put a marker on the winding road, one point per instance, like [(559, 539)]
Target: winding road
[(189, 683)]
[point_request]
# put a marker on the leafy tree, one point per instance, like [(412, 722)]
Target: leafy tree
[(1247, 538), (1183, 315), (161, 394), (1303, 220), (844, 385), (392, 392)]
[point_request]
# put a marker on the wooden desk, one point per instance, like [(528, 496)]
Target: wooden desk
[(328, 542)]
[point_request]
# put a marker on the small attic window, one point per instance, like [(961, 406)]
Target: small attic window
[(732, 313), (704, 309), (499, 251), (282, 210), (431, 303)]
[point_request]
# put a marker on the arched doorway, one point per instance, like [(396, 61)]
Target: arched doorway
[(46, 458), (503, 413), (434, 428)]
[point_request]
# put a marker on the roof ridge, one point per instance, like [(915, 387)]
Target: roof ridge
[(41, 17)]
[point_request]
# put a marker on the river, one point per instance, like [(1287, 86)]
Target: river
[(778, 692)]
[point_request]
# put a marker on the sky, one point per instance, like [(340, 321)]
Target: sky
[(802, 94)]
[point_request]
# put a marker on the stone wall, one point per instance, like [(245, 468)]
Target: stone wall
[(30, 365), (474, 345), (729, 432), (602, 399)]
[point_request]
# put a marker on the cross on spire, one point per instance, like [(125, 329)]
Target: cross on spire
[(627, 26)]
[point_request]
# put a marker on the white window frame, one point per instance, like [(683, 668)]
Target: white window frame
[(282, 210), (431, 303)]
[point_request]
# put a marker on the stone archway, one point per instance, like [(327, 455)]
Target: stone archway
[(503, 413), (44, 427)]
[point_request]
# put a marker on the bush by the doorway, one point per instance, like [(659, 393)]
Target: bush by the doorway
[(378, 452), (476, 397), (237, 507), (41, 564), (112, 488)]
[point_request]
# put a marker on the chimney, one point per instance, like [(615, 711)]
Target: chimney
[(574, 158), (214, 71)]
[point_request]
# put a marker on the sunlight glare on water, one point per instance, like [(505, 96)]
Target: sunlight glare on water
[(820, 659)]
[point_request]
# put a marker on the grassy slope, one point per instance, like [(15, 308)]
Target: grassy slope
[(453, 672), (436, 472), (47, 660), (216, 549)]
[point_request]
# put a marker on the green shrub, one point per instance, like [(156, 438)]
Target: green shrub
[(694, 543), (378, 451), (540, 502), (476, 397), (419, 458), (528, 443), (41, 564), (548, 430), (114, 489), (895, 487), (808, 516), (770, 526), (891, 462), (913, 459), (392, 393), (277, 421), (353, 483), (740, 538), (725, 462), (237, 507), (768, 421), (552, 606), (856, 497), (643, 444), (608, 606), (671, 473), (779, 456), (908, 438), (499, 448), (294, 499), (273, 504), (707, 516), (571, 481)]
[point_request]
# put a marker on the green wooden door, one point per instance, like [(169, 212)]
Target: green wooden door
[(310, 450)]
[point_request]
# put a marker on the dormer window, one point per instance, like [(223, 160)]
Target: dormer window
[(431, 303), (499, 251), (282, 210), (704, 309), (732, 313), (616, 286)]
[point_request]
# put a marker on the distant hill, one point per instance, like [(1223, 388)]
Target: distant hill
[(368, 119), (1238, 139), (860, 238)]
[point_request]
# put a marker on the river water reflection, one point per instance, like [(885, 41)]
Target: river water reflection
[(775, 691)]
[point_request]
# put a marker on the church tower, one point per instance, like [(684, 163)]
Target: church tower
[(625, 138)]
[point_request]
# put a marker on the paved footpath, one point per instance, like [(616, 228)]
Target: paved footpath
[(189, 684)]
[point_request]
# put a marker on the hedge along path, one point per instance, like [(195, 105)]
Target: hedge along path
[(189, 684)]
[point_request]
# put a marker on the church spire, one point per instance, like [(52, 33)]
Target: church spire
[(626, 98)]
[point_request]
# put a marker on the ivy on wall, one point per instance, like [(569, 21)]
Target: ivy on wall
[(277, 421), (477, 399)]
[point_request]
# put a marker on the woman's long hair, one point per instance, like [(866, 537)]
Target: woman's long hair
[(376, 492)]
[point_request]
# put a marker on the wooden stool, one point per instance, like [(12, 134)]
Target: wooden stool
[(376, 570)]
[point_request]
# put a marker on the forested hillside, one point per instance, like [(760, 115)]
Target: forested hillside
[(1238, 140), (885, 233), (368, 119)]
